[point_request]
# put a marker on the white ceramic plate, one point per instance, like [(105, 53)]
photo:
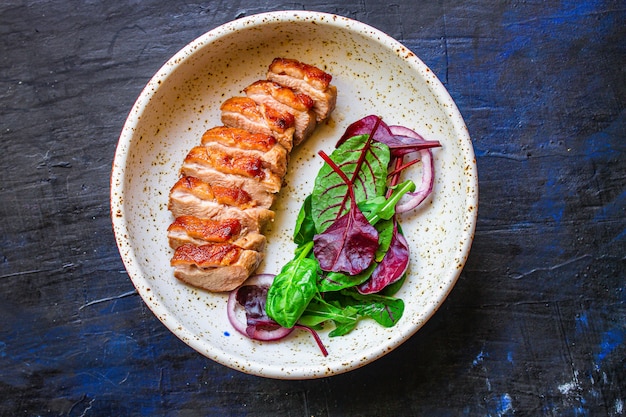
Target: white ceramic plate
[(374, 74)]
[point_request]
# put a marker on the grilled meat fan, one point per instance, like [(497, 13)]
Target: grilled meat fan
[(230, 180)]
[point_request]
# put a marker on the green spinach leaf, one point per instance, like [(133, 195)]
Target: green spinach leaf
[(319, 311), (292, 290), (335, 281), (385, 234), (305, 226), (385, 310)]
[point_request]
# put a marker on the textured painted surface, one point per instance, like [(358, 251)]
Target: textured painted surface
[(535, 326)]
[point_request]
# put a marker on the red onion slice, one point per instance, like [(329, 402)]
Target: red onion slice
[(268, 334), (236, 314), (428, 173)]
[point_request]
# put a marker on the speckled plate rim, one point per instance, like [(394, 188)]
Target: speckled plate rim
[(120, 225)]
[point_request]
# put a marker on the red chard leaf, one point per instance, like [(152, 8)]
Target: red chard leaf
[(369, 125), (391, 268), (361, 166), (348, 245)]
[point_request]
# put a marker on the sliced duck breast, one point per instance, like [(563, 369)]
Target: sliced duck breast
[(230, 161), (215, 266), (200, 231), (227, 171), (191, 196), (286, 99), (239, 142), (307, 79), (260, 194), (245, 113), (254, 219), (207, 230), (222, 202), (229, 196), (239, 138)]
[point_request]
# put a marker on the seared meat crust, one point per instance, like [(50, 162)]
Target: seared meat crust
[(222, 195), (208, 230), (239, 138), (221, 277)]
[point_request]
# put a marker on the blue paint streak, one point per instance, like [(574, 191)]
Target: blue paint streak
[(611, 340), (505, 405), (480, 358), (500, 406), (479, 152), (226, 333), (582, 323), (553, 205), (575, 10), (600, 145), (572, 13), (620, 237)]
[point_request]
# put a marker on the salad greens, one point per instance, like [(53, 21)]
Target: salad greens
[(293, 288), (364, 163), (351, 255)]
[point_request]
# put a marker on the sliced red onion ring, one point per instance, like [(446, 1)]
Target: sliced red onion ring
[(264, 330), (235, 311), (260, 280), (414, 199)]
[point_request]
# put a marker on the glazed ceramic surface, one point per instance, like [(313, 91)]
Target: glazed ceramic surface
[(374, 74)]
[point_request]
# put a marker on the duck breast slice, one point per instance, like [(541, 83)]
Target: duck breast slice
[(214, 267), (190, 197), (241, 143), (198, 231), (307, 79), (245, 113), (286, 99)]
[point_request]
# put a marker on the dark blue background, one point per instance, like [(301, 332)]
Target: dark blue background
[(536, 324)]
